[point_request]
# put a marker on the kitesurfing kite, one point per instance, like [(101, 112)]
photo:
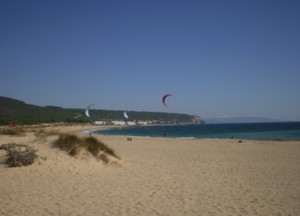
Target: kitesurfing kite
[(125, 114), (87, 111), (164, 99)]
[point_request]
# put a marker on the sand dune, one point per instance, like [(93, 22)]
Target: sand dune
[(155, 176)]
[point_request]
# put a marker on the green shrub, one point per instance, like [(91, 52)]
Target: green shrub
[(19, 155)]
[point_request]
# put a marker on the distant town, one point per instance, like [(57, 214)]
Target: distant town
[(132, 123), (195, 120)]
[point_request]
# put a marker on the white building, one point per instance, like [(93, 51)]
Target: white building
[(131, 123), (100, 122), (142, 122), (118, 122)]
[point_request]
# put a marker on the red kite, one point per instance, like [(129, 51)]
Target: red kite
[(164, 99)]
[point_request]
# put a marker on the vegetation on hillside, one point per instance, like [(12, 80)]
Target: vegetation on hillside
[(26, 114)]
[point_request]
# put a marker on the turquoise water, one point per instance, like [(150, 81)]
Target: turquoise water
[(260, 131)]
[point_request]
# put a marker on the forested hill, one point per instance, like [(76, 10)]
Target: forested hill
[(22, 113)]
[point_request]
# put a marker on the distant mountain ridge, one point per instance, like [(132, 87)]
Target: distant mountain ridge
[(22, 113)]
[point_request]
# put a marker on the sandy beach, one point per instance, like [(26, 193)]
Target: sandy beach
[(155, 176)]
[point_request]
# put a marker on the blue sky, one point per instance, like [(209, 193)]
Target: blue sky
[(219, 58)]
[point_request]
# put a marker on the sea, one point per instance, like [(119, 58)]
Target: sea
[(247, 131)]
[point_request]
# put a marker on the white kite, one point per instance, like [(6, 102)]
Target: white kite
[(87, 110), (125, 114)]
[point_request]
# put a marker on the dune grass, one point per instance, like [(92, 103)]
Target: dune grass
[(94, 146), (42, 133), (15, 131), (73, 144)]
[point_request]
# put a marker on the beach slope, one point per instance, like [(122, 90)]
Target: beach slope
[(155, 176)]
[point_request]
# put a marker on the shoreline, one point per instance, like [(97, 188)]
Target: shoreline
[(92, 131), (88, 129)]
